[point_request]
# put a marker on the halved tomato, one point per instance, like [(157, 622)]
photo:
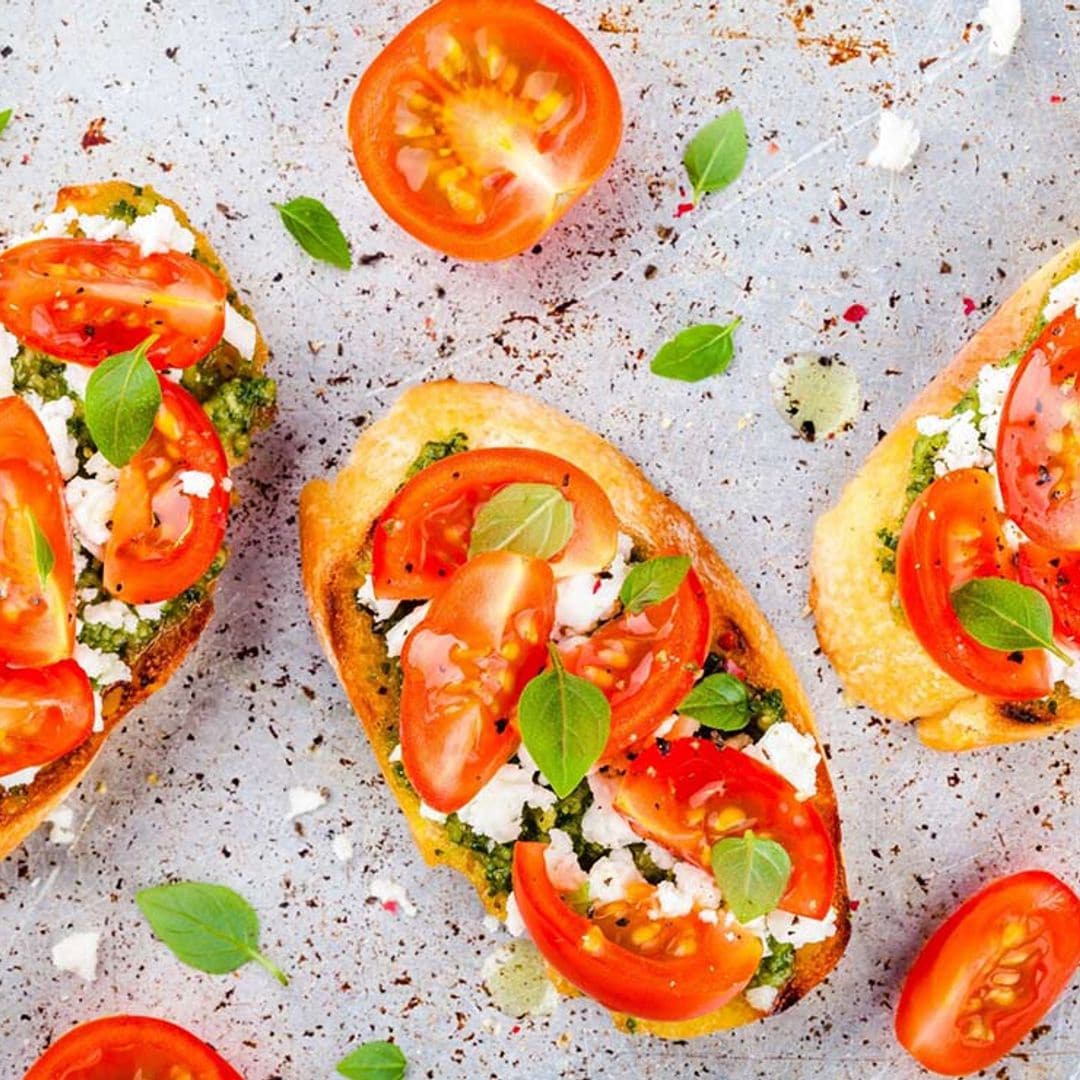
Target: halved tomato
[(44, 713), (423, 535), (654, 969), (688, 794), (951, 535), (1056, 574), (84, 300), (990, 973), (464, 668), (482, 123), (172, 506), (37, 612)]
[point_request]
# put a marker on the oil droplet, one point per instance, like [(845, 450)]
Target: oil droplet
[(515, 977), (817, 395)]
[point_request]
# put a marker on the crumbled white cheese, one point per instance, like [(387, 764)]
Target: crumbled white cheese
[(54, 417), (1064, 295), (583, 600), (495, 810), (199, 485), (17, 779), (56, 225), (102, 668), (709, 915), (898, 139), (100, 227), (77, 376), (792, 754), (1061, 672), (77, 953), (381, 609), (602, 823), (396, 635), (692, 888), (993, 385), (150, 612), (1003, 18), (240, 332), (90, 502), (563, 870), (304, 800), (62, 825), (798, 930), (611, 876), (111, 613), (431, 814), (391, 895), (159, 231), (396, 754), (963, 447), (762, 998), (342, 847), (9, 349), (515, 924)]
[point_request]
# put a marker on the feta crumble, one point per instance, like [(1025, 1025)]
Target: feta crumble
[(495, 811), (90, 502), (963, 447), (77, 953), (54, 417), (240, 332), (381, 609), (602, 823), (612, 875), (391, 895), (9, 349), (102, 669), (515, 924), (792, 754), (562, 864), (304, 800), (62, 825), (898, 139), (762, 998), (159, 231), (583, 600), (200, 485), (113, 614), (399, 632), (798, 930), (1003, 18), (1064, 295)]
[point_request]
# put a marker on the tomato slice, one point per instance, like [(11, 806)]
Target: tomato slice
[(482, 123), (990, 972), (172, 505), (646, 663), (122, 1047), (84, 300), (423, 535), (952, 534), (654, 969), (1056, 574), (37, 615), (689, 793), (464, 668), (1038, 450), (44, 713)]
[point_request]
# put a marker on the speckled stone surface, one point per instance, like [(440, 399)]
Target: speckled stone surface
[(230, 105)]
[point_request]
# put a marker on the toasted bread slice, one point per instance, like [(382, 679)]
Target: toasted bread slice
[(336, 519), (876, 655), (23, 808)]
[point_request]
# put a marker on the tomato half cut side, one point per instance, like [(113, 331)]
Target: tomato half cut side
[(952, 534), (482, 123), (45, 712), (122, 1047), (1056, 574), (172, 506), (464, 668), (422, 536), (653, 969), (84, 300), (990, 973), (688, 794)]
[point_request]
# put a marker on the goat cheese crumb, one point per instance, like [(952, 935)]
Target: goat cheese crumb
[(391, 895), (602, 823), (515, 924), (611, 876), (798, 930), (304, 800), (54, 417), (381, 609), (111, 613), (77, 953), (342, 847), (195, 483), (583, 600), (90, 502), (61, 825), (792, 754), (240, 332), (77, 376), (1003, 18), (762, 998), (159, 231), (993, 385), (691, 888), (562, 864), (9, 349), (399, 632), (102, 668), (898, 139), (963, 447), (495, 810), (100, 227), (1064, 295)]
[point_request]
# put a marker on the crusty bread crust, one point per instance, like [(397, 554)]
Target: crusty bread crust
[(336, 519), (23, 809), (876, 655)]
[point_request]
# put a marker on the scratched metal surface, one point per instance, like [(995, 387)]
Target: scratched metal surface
[(230, 105)]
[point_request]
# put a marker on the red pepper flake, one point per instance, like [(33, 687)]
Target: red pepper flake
[(969, 305), (853, 905), (596, 586), (856, 313), (772, 148), (391, 906), (515, 1029), (684, 208), (1056, 99), (94, 135)]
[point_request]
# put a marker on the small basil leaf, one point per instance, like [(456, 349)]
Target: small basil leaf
[(374, 1061), (752, 874), (5, 119), (1006, 615), (654, 581), (316, 230), (718, 701), (528, 519), (717, 153), (697, 353), (44, 556), (122, 398)]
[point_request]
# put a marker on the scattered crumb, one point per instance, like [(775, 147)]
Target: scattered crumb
[(342, 846), (94, 135), (898, 139), (304, 801), (1003, 18), (62, 820), (77, 953), (391, 895)]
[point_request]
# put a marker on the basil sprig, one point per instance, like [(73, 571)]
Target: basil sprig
[(716, 155), (44, 556), (316, 230), (653, 582), (374, 1061), (697, 353), (719, 701), (752, 874), (1006, 615), (123, 396), (5, 119), (528, 519)]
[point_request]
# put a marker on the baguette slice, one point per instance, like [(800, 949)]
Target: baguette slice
[(22, 809), (876, 655), (336, 519)]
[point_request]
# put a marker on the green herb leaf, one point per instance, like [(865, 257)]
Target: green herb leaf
[(752, 874), (654, 581), (1006, 615), (374, 1061), (5, 119), (697, 353), (44, 556), (718, 701), (565, 722), (122, 398), (716, 154), (529, 519), (208, 927), (316, 230)]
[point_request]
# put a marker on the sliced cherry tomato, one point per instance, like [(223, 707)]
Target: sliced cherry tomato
[(654, 969), (646, 663), (951, 535), (37, 612), (44, 713), (482, 123), (990, 973), (689, 793), (84, 300), (464, 669), (171, 505), (1038, 450), (1056, 574), (423, 535), (123, 1047)]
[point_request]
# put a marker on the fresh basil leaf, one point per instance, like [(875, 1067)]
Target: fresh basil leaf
[(208, 927), (1006, 615), (374, 1061), (716, 154), (697, 353), (528, 519), (565, 722), (122, 398), (316, 230), (718, 701), (752, 874), (5, 119), (44, 556), (654, 581)]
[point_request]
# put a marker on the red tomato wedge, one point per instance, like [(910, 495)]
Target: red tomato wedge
[(84, 300), (1056, 574), (689, 793), (171, 505), (482, 123), (464, 668), (990, 973), (951, 535), (422, 537), (1038, 450), (37, 613), (124, 1047), (44, 713), (669, 969)]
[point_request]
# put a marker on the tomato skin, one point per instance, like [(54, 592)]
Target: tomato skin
[(120, 1047), (84, 300), (511, 172), (1056, 574), (1030, 912), (45, 712), (951, 535), (423, 534)]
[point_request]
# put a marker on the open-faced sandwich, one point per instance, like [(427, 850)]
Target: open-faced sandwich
[(946, 582), (579, 707), (130, 385)]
